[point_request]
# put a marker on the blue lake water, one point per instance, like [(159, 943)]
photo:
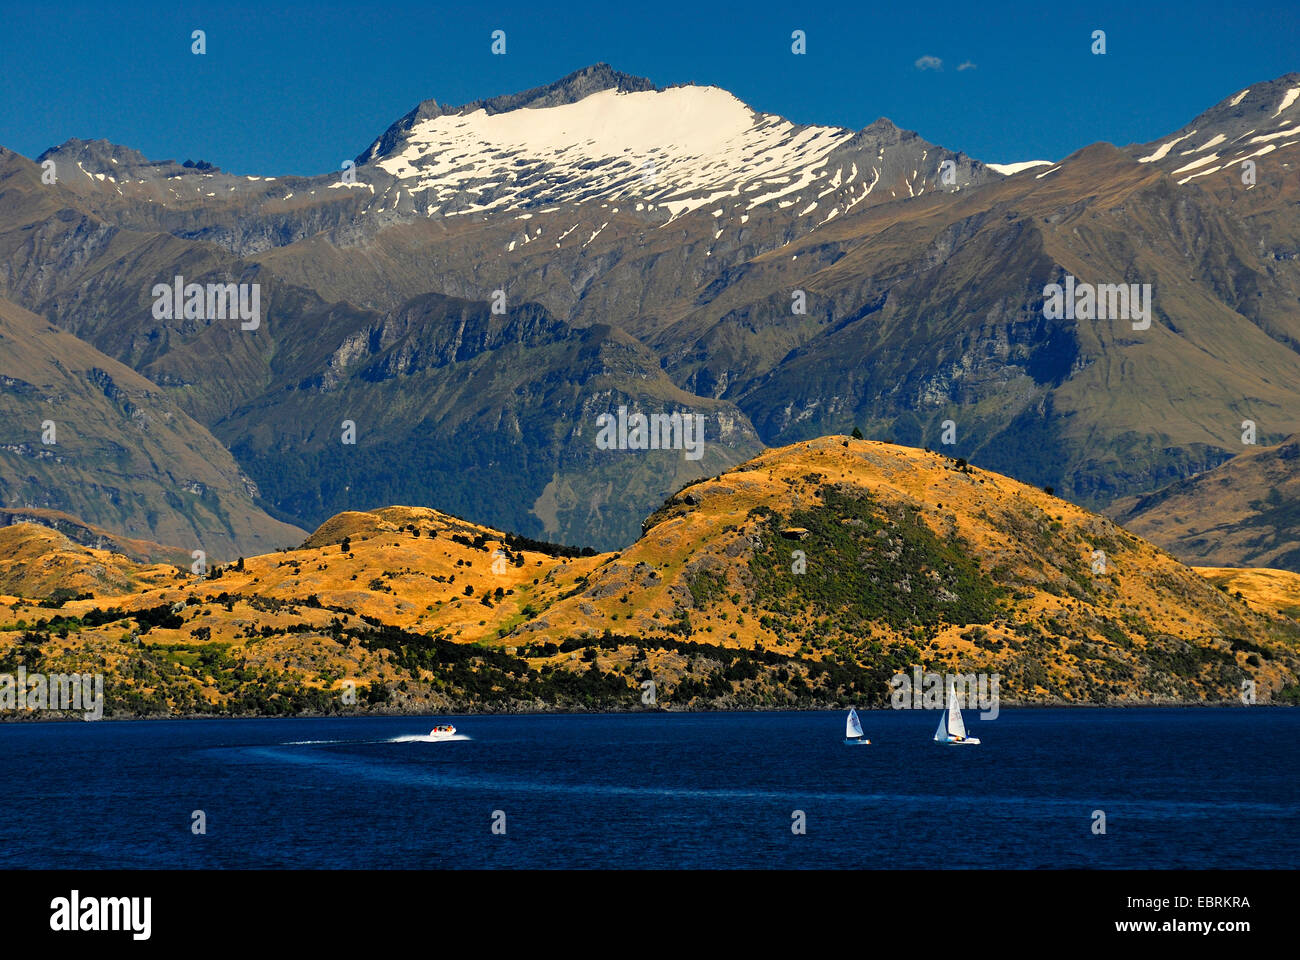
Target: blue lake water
[(1182, 788)]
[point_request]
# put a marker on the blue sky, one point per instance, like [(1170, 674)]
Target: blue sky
[(298, 88)]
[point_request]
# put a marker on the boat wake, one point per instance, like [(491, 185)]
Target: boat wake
[(412, 738), (299, 743)]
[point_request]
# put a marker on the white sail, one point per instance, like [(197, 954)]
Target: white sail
[(942, 732), (852, 728), (956, 726)]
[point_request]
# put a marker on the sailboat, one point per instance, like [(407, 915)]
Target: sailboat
[(952, 729), (853, 728)]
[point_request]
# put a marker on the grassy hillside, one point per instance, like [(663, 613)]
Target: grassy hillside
[(1243, 513), (1272, 591), (907, 559), (915, 558), (38, 562)]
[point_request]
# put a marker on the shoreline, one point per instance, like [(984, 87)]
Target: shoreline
[(17, 717)]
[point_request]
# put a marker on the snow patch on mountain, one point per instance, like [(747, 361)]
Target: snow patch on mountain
[(683, 148), (1288, 99), (1009, 169), (1162, 151)]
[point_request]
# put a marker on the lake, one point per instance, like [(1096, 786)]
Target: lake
[(1179, 788)]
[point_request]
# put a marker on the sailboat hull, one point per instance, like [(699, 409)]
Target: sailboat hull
[(973, 741), (856, 741)]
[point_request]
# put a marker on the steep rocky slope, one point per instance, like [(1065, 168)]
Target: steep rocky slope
[(85, 435), (675, 248)]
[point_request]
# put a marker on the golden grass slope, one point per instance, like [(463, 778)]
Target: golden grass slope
[(274, 614), (793, 579), (36, 561), (1245, 512), (1063, 630), (89, 535), (1273, 591)]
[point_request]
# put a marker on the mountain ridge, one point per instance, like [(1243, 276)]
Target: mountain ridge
[(893, 301)]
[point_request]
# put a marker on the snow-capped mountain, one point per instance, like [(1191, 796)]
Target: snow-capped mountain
[(1251, 124), (595, 136), (601, 135), (674, 248)]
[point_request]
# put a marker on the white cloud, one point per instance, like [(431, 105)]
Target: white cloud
[(966, 66), (928, 62)]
